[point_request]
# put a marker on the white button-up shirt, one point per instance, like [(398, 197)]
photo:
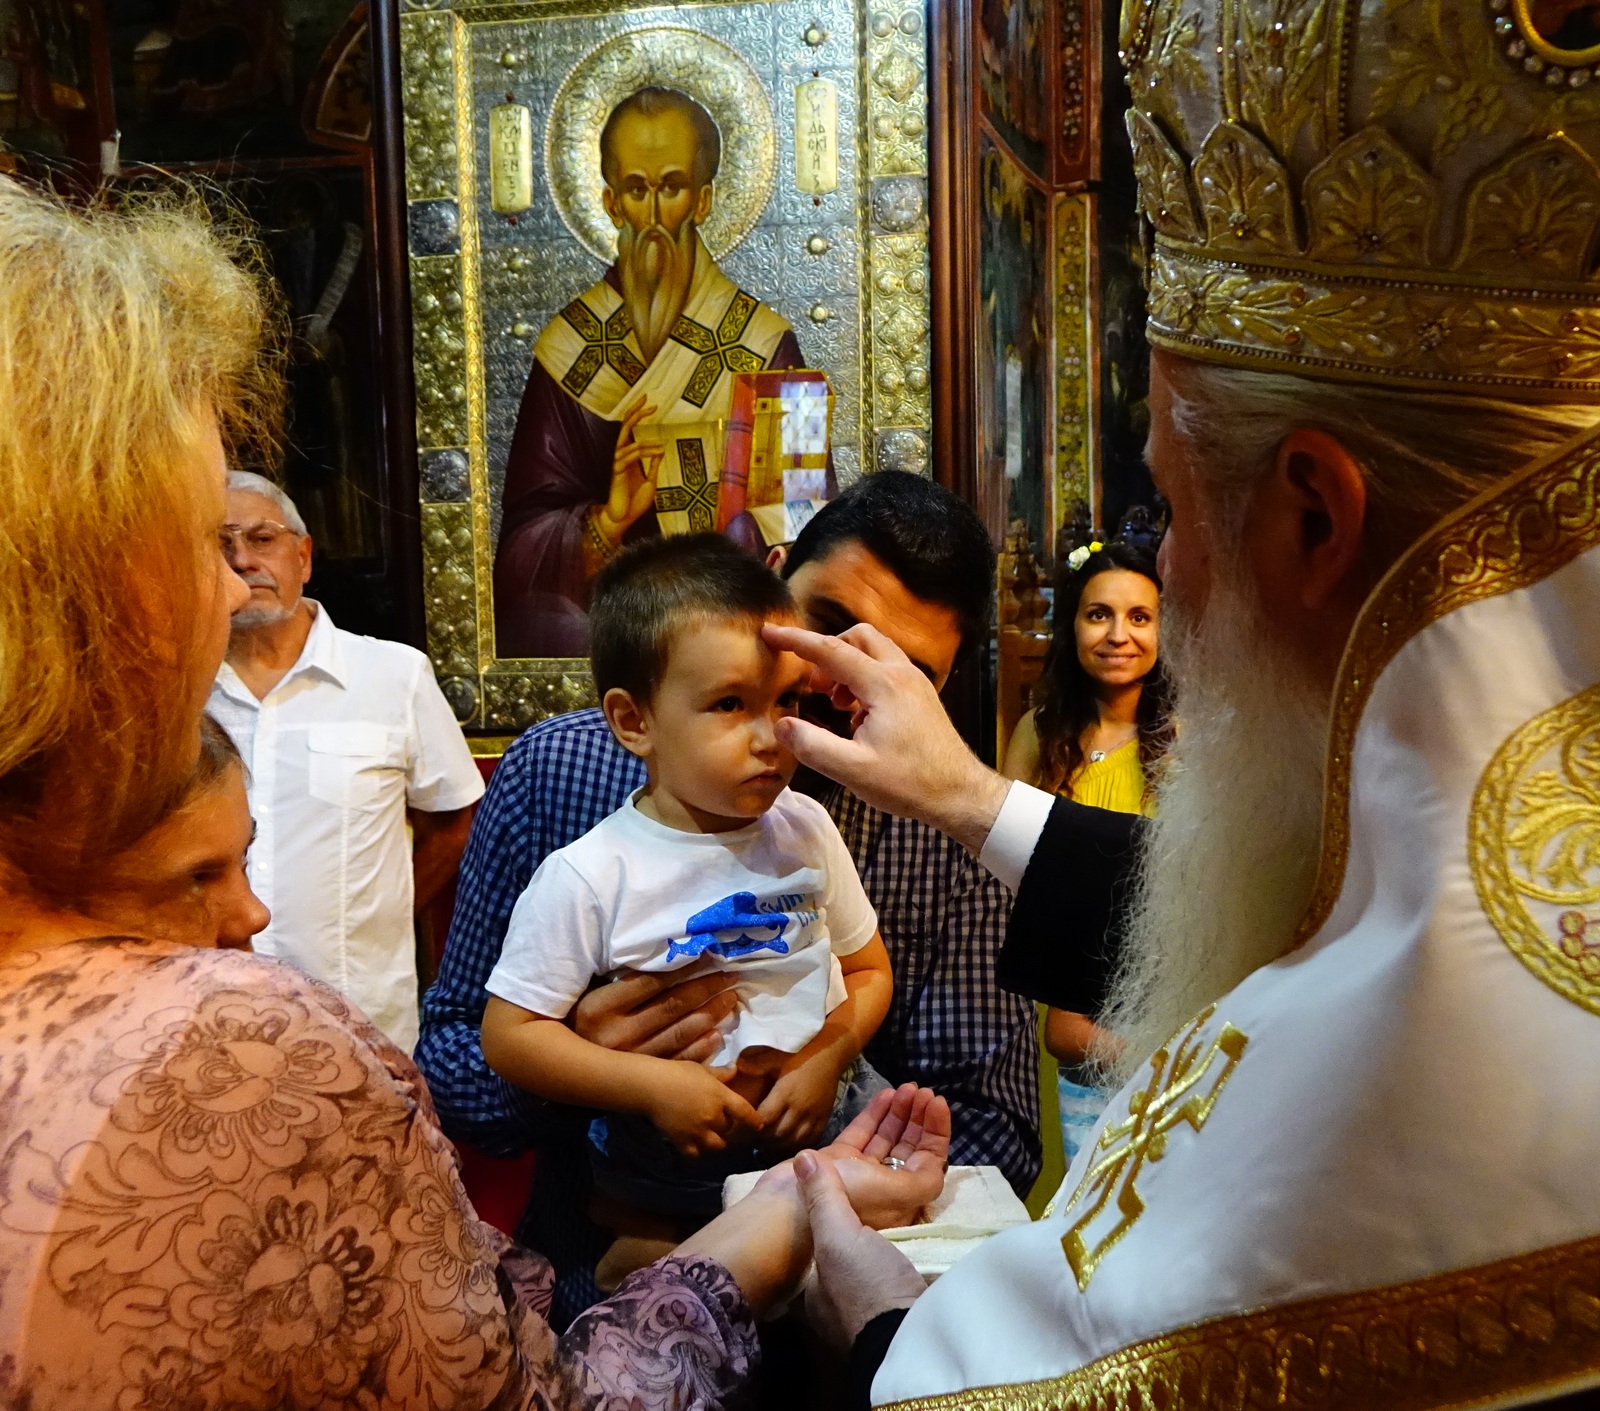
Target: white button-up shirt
[(356, 733)]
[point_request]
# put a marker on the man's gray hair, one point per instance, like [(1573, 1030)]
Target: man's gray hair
[(251, 483)]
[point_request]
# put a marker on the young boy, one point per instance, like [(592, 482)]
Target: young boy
[(714, 864)]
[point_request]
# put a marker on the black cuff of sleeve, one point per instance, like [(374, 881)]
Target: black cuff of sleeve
[(1066, 923), (866, 1356)]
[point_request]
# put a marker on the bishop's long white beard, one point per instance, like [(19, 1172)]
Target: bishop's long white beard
[(1232, 851)]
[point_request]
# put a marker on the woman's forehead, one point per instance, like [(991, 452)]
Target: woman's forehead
[(1119, 587)]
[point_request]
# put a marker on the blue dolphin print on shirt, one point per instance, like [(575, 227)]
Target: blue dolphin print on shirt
[(757, 930)]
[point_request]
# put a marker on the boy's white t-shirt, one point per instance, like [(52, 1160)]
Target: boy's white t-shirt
[(776, 902)]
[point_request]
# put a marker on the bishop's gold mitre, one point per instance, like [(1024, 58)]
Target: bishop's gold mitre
[(1400, 192)]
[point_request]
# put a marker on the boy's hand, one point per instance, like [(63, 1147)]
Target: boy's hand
[(695, 1110), (796, 1111)]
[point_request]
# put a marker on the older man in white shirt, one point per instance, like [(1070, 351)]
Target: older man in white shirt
[(349, 741)]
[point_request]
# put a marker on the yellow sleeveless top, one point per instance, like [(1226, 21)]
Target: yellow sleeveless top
[(1115, 782)]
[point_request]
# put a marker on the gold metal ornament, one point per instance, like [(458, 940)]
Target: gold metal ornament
[(1534, 846), (669, 56), (1075, 350), (1372, 194), (1522, 41)]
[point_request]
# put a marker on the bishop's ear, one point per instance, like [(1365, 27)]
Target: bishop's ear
[(1310, 517), (628, 722)]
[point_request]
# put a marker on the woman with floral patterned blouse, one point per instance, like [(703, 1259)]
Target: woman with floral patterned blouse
[(219, 1186)]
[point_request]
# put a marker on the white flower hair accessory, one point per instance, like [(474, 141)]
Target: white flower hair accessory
[(1080, 556)]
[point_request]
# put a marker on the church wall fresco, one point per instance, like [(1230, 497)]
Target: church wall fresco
[(1014, 345), (503, 107), (1037, 93), (1013, 52), (1123, 420)]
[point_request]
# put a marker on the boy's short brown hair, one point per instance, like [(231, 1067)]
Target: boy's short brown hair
[(653, 589)]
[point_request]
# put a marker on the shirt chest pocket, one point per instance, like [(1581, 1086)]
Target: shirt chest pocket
[(354, 764)]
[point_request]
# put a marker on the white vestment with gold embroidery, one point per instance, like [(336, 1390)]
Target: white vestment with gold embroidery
[(1414, 1091)]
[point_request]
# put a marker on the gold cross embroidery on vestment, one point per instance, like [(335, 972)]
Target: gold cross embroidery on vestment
[(720, 350), (1185, 1082), (605, 345), (697, 496)]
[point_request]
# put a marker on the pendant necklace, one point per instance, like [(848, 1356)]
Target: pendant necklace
[(1095, 756)]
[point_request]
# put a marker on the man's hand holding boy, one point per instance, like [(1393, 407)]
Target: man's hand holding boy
[(664, 1016)]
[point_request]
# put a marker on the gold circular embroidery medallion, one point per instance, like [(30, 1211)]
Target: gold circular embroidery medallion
[(670, 56), (1534, 846)]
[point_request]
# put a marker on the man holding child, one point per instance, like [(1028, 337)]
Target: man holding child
[(906, 556), (714, 864)]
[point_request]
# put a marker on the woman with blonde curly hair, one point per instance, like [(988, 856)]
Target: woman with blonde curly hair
[(219, 1186)]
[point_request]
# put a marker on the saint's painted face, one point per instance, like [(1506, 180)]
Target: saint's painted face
[(656, 195), (651, 173)]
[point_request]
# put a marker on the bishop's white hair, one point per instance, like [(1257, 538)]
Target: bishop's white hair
[(1421, 453), (251, 483)]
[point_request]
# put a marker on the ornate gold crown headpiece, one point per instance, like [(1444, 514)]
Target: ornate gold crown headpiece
[(1396, 192)]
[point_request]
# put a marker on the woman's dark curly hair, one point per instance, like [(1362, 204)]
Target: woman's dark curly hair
[(1064, 699)]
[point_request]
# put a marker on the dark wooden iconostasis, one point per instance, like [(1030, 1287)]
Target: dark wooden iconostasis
[(267, 107), (1041, 367), (1042, 381)]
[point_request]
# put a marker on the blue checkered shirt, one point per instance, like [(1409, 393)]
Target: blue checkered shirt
[(943, 918)]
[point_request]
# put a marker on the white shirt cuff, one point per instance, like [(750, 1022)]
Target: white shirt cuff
[(1016, 830)]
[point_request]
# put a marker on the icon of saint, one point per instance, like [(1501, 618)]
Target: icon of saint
[(634, 373)]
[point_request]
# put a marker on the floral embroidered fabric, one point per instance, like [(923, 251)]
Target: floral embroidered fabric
[(221, 1188)]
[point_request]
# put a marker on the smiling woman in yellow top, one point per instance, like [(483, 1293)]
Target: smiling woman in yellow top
[(1100, 724), (1101, 719)]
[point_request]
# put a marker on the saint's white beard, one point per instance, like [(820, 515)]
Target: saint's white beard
[(1232, 851), (657, 271)]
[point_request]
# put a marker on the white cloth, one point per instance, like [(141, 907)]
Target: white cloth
[(1410, 1099), (1015, 832), (355, 734), (776, 902)]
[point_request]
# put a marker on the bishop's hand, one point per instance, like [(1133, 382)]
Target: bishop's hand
[(903, 756)]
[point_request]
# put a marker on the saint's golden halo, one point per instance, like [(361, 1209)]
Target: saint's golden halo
[(671, 56)]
